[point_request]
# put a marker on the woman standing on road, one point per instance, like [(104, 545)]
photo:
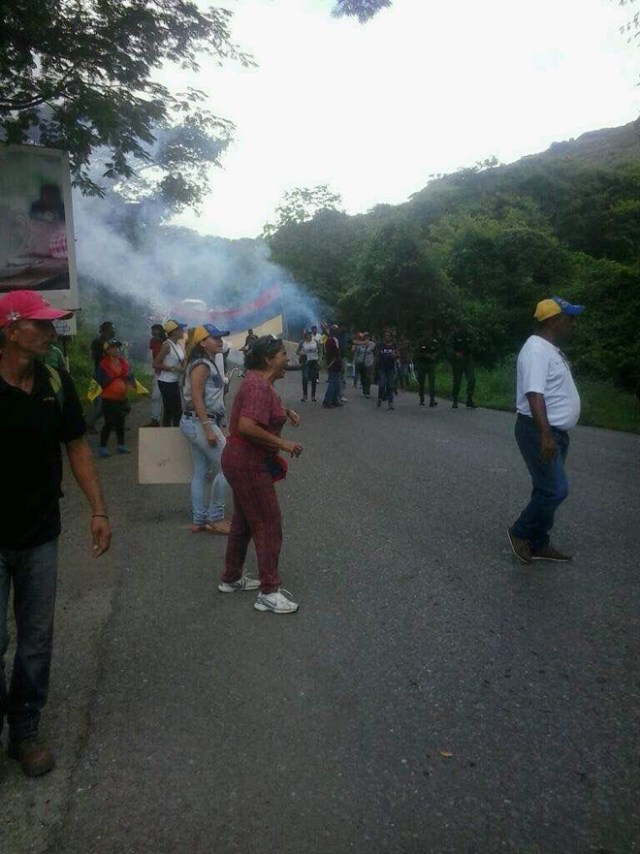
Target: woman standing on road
[(308, 354), (170, 363), (252, 465), (114, 377), (202, 423)]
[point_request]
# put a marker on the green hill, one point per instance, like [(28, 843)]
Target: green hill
[(487, 243)]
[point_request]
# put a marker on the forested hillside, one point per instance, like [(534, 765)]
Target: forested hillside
[(485, 244)]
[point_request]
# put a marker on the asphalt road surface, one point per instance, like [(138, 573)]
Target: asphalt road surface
[(431, 694)]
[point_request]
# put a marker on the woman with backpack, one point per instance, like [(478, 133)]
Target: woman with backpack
[(202, 422)]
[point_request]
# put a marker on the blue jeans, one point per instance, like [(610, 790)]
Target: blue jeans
[(332, 394), (386, 384), (207, 497), (33, 573), (550, 485)]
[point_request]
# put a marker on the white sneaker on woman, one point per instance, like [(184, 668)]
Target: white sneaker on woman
[(276, 602)]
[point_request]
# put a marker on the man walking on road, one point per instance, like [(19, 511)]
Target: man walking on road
[(548, 407), (39, 409), (334, 356)]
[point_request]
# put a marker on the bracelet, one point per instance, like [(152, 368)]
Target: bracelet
[(99, 516)]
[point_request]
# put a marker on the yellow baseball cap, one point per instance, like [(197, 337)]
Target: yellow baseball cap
[(547, 308)]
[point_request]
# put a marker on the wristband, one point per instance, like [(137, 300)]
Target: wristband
[(99, 516)]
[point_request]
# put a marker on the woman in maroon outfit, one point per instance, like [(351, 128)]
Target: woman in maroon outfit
[(251, 465)]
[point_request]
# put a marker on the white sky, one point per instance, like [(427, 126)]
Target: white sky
[(427, 86)]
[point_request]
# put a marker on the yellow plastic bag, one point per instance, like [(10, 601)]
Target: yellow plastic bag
[(94, 390)]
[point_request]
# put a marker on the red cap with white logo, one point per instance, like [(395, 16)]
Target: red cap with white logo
[(27, 305)]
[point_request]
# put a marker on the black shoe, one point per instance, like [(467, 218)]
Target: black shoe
[(34, 757), (471, 405), (422, 403), (327, 405), (433, 403), (454, 405), (520, 548)]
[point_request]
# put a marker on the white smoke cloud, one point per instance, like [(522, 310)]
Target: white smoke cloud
[(126, 249)]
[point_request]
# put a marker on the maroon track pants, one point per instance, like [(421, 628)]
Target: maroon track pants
[(256, 516)]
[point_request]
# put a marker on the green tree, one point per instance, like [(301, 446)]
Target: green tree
[(300, 205), (81, 75)]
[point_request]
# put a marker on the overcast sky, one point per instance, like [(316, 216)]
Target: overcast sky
[(426, 87)]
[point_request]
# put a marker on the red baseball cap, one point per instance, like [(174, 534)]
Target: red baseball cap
[(27, 305)]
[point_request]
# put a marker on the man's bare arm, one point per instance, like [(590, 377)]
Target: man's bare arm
[(84, 471)]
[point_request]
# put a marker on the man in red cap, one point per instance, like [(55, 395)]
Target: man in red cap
[(548, 406), (39, 410)]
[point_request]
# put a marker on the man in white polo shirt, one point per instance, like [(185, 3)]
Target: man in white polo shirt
[(548, 406)]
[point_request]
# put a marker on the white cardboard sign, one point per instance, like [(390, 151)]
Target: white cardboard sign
[(163, 456)]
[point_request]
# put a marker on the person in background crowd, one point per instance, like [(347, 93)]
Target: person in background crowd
[(308, 356), (203, 421), (548, 406), (355, 341), (170, 363), (344, 342), (334, 369), (425, 357), (394, 337), (39, 411), (155, 343), (386, 353), (114, 376), (249, 341), (363, 359), (462, 346), (318, 339), (106, 332), (404, 362), (251, 464)]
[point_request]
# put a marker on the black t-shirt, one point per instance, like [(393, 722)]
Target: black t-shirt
[(32, 426), (386, 354)]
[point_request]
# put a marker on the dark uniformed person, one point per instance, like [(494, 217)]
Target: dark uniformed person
[(462, 347), (426, 353)]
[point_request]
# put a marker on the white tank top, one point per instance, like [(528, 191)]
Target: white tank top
[(173, 358)]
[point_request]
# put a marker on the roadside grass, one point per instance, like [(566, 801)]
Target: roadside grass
[(603, 405)]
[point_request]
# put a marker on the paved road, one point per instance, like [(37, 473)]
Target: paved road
[(431, 695)]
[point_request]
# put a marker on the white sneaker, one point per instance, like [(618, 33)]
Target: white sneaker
[(242, 583), (276, 602)]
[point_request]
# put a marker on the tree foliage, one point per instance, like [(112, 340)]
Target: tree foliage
[(81, 76), (302, 204)]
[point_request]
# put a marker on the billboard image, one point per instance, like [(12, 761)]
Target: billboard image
[(36, 226)]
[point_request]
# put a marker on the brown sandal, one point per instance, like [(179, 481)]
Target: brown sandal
[(222, 527)]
